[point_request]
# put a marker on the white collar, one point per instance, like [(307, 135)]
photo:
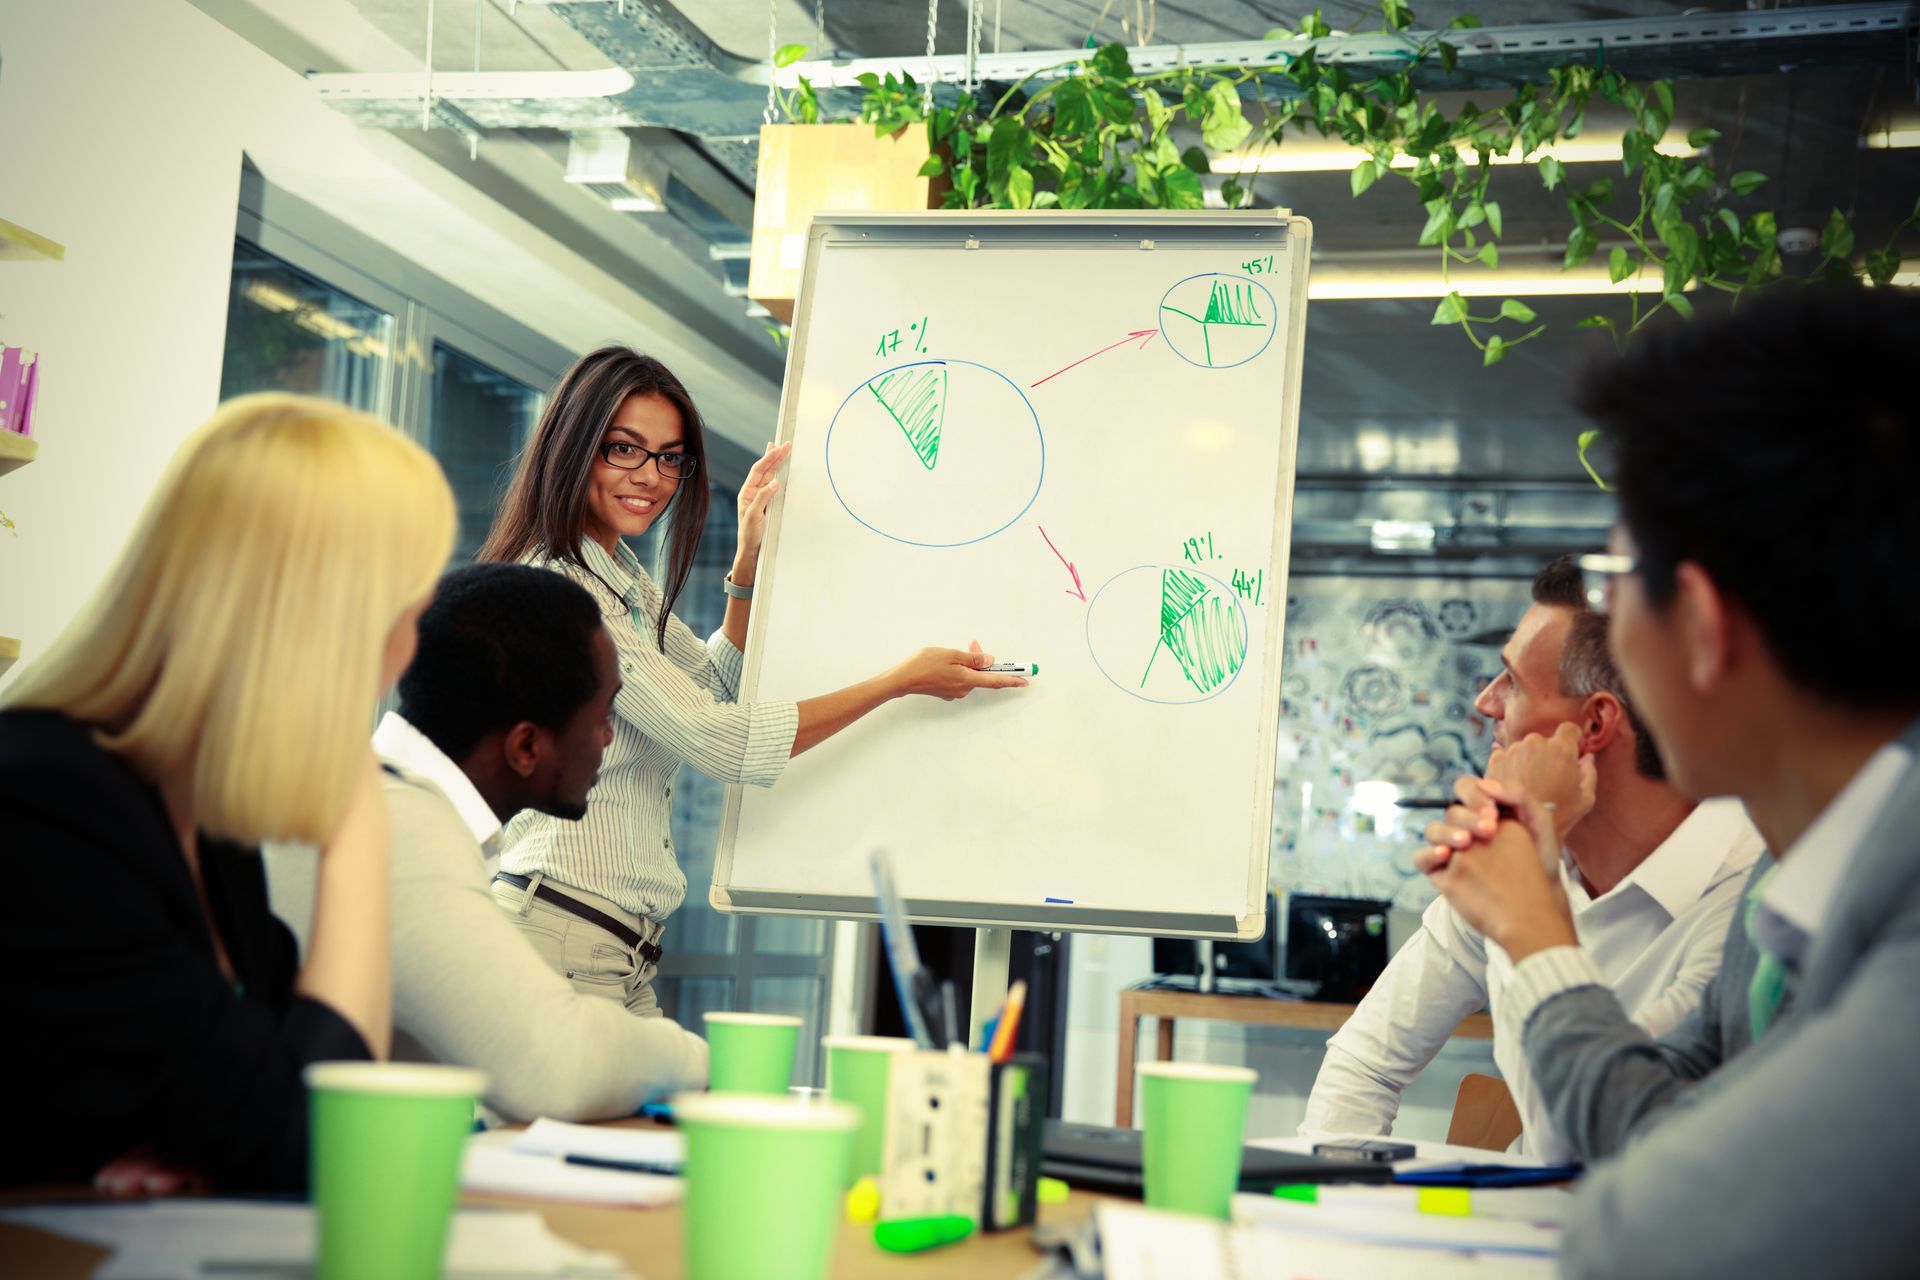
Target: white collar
[(1801, 892), (399, 743), (1690, 860)]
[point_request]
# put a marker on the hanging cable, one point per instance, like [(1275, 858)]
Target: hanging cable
[(820, 28), (974, 16), (926, 90), (773, 48), (426, 103)]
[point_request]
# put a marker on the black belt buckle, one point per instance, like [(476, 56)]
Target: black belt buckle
[(651, 953)]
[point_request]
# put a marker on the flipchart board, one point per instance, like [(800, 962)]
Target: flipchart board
[(1070, 435)]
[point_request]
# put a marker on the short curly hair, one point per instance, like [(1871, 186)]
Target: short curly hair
[(500, 643)]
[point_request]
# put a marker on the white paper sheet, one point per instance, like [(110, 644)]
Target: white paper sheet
[(558, 1138), (496, 1165), (189, 1239)]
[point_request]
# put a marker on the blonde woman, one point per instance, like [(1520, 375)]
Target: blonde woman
[(215, 693)]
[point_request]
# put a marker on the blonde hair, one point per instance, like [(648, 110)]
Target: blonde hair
[(241, 634)]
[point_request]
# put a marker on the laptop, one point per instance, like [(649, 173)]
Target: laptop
[(1100, 1158)]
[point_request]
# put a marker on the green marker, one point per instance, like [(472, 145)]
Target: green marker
[(911, 1235), (1014, 668)]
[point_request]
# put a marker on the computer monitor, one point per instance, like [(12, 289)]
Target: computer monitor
[(1338, 945), (1257, 961)]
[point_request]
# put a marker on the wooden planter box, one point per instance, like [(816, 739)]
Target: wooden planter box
[(807, 168)]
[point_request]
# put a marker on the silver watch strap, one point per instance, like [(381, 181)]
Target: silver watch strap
[(735, 590)]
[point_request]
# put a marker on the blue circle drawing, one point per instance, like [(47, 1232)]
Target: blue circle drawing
[(1230, 304), (923, 438), (1203, 695)]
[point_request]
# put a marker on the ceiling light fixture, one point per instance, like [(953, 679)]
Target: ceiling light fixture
[(1337, 286), (1891, 139), (1304, 156)]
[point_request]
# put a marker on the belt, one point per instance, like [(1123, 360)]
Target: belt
[(649, 951)]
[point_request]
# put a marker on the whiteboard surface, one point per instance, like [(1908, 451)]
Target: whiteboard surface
[(1079, 405)]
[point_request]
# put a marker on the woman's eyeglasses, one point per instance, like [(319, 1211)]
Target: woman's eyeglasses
[(628, 456)]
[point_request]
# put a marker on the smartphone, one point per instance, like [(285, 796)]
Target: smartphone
[(1372, 1150)]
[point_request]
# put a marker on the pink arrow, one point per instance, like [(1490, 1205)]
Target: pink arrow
[(1077, 589), (1145, 336)]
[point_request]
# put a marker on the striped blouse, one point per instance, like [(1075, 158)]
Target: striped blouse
[(674, 707)]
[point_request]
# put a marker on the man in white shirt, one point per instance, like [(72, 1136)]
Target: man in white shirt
[(505, 707), (1653, 879)]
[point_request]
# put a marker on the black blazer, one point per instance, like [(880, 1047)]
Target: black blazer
[(121, 1029)]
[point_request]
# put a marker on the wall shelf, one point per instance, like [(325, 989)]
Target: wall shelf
[(16, 451), (17, 244), (9, 653)]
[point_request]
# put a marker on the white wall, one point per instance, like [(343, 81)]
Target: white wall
[(1287, 1060), (125, 122)]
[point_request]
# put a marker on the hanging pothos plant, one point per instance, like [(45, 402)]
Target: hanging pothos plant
[(1097, 135)]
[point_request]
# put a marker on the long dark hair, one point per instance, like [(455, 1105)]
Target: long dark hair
[(545, 511)]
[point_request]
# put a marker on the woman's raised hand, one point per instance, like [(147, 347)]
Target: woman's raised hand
[(756, 494)]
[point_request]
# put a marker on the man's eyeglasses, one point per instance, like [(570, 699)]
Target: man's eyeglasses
[(628, 456), (1597, 572)]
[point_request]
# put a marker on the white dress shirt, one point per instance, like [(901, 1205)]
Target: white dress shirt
[(674, 707), (468, 988), (1656, 937)]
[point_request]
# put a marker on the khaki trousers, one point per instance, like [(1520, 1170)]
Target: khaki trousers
[(592, 959)]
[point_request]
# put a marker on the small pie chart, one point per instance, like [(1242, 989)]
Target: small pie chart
[(1167, 633), (936, 453), (1218, 321)]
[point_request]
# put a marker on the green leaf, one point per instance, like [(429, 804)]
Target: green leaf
[(1020, 187), (1439, 224), (1593, 322), (1703, 137), (1589, 437), (1680, 302), (1183, 190), (1449, 56), (1452, 310), (1552, 172), (1225, 126), (1465, 22), (1635, 148), (1836, 238), (1620, 264), (1580, 246), (788, 54), (867, 80), (1746, 181), (1232, 192), (1663, 93), (1159, 114), (1110, 60), (1364, 175), (1398, 13), (1575, 125), (1490, 254), (933, 167), (1598, 192), (1195, 159), (1496, 352), (1115, 103), (1474, 216), (1730, 220), (1315, 27), (1665, 197), (1516, 310), (1006, 146), (1883, 265), (1493, 217), (1695, 179), (1073, 112)]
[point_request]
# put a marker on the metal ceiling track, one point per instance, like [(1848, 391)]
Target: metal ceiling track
[(668, 74)]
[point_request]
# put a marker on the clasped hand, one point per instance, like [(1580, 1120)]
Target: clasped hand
[(1495, 856)]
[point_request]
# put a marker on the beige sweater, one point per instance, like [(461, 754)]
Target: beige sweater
[(469, 990)]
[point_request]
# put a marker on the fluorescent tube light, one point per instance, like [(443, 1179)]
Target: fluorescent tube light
[(1891, 139), (1304, 156)]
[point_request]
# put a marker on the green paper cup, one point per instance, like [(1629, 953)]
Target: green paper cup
[(751, 1052), (858, 1068), (1195, 1114), (387, 1139), (764, 1182)]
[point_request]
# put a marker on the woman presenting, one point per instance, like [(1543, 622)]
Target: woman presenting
[(619, 446)]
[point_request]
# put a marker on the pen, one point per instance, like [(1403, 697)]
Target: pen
[(1424, 802), (625, 1166), (1013, 669)]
